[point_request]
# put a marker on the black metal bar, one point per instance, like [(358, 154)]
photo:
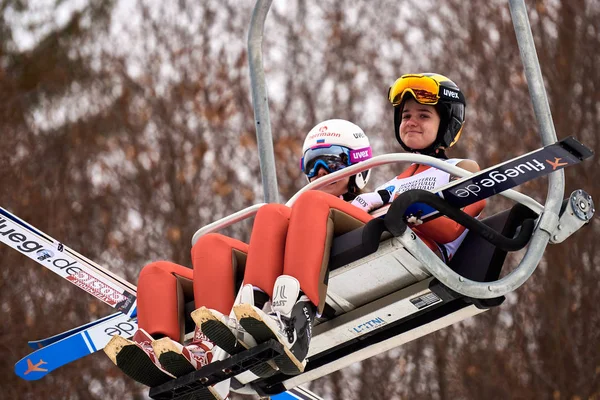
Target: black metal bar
[(395, 223), (218, 371)]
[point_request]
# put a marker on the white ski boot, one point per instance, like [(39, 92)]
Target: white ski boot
[(289, 322), (227, 333)]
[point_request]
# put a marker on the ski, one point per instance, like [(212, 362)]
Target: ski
[(501, 177), (63, 348), (38, 344), (70, 265), (93, 338), (41, 362)]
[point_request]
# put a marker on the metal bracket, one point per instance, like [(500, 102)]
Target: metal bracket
[(548, 222), (578, 211)]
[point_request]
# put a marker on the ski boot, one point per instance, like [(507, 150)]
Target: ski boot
[(137, 359), (181, 359), (289, 322), (230, 336)]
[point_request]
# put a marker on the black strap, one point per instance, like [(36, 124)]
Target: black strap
[(396, 225), (385, 196)]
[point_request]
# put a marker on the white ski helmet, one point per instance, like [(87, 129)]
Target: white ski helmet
[(335, 144)]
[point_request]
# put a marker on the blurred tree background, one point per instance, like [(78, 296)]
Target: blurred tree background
[(127, 125)]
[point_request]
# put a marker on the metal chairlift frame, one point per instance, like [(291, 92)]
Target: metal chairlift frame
[(556, 182)]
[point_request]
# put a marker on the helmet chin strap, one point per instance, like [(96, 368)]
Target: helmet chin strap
[(353, 189)]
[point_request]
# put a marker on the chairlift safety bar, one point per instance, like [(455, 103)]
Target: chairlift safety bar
[(368, 164)]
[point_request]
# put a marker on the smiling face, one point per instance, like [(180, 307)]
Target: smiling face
[(337, 188), (419, 125)]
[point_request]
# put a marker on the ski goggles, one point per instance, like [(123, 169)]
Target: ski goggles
[(424, 89), (332, 158)]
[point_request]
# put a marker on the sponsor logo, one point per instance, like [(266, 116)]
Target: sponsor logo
[(309, 324), (67, 268), (122, 329), (358, 135), (360, 154), (556, 163), (31, 367), (450, 93), (507, 175), (126, 303), (369, 325), (423, 183), (496, 178), (279, 297), (324, 134), (96, 288), (323, 128), (361, 201), (24, 245)]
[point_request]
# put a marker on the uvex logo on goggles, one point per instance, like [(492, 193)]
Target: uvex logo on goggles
[(360, 155)]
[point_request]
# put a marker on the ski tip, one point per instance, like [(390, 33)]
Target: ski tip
[(31, 368), (35, 344)]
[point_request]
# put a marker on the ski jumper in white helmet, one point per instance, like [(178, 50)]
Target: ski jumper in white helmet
[(219, 256), (335, 144), (330, 145), (299, 295)]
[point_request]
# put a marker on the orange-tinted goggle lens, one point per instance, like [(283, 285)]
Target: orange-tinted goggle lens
[(424, 89)]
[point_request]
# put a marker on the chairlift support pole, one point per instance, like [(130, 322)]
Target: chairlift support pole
[(556, 181), (260, 102), (541, 107)]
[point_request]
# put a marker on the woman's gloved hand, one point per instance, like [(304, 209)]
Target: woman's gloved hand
[(372, 201)]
